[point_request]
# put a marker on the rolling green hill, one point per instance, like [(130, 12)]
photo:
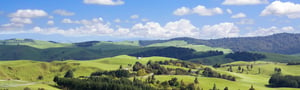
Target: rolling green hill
[(283, 43), (34, 43), (28, 72), (272, 57), (184, 44)]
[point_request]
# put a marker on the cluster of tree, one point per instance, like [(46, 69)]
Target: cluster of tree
[(278, 80), (101, 83), (293, 63), (149, 68), (208, 72), (177, 63), (176, 52), (277, 70), (175, 84), (86, 44), (118, 73), (157, 69), (245, 56)]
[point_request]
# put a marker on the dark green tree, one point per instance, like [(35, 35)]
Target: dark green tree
[(251, 88), (69, 74), (226, 88), (196, 81)]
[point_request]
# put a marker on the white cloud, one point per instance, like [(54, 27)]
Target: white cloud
[(63, 12), (29, 13), (221, 30), (289, 9), (239, 15), (203, 11), (200, 10), (104, 2), (23, 16), (182, 11), (270, 31), (117, 20), (50, 22), (89, 27), (21, 20), (180, 28), (244, 2), (229, 11), (11, 26), (66, 20), (245, 21), (135, 16)]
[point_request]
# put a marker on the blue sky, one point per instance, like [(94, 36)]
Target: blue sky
[(115, 20)]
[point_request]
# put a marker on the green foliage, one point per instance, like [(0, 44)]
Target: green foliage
[(208, 72), (69, 74), (251, 88), (137, 66), (245, 56), (278, 80), (102, 83), (117, 73)]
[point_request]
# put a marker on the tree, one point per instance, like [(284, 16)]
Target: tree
[(27, 88), (121, 67), (40, 77), (182, 83), (226, 88), (55, 79), (137, 66), (69, 74), (214, 87), (196, 81), (239, 68), (251, 88)]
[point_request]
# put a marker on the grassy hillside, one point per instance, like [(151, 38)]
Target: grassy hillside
[(184, 44), (27, 70), (272, 57), (34, 43)]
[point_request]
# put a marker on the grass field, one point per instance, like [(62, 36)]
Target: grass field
[(27, 71), (184, 44)]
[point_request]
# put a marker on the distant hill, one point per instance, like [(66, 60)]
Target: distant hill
[(283, 43)]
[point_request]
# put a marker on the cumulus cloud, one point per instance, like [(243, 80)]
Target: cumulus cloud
[(29, 13), (63, 12), (104, 2), (94, 26), (239, 15), (182, 11), (200, 10), (220, 30), (270, 31), (83, 21), (229, 11), (117, 20), (278, 8), (135, 16), (180, 28), (203, 11), (21, 20), (21, 17), (244, 2), (50, 22)]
